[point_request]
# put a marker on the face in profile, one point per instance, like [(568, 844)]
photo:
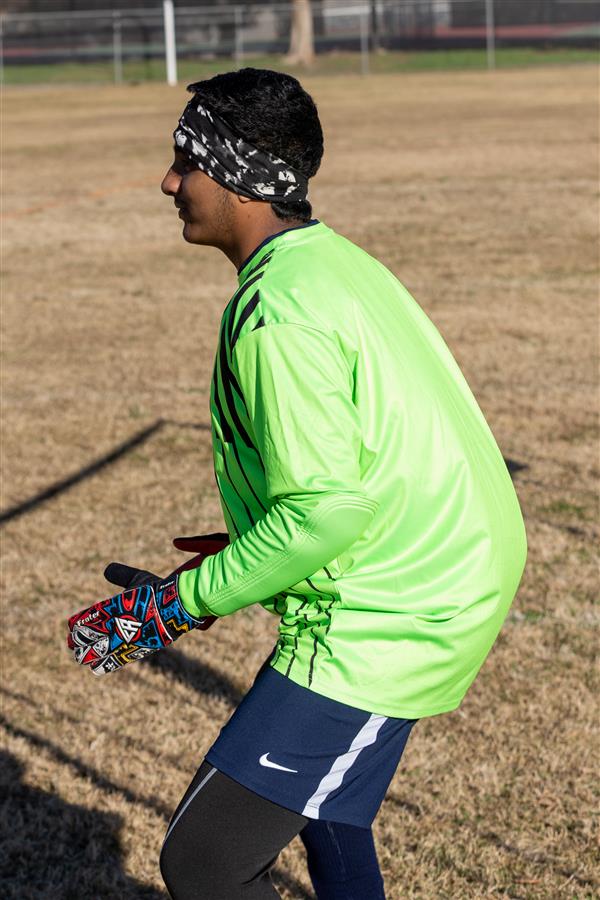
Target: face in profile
[(206, 208)]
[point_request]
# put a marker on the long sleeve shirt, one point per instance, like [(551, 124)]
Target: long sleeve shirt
[(367, 502)]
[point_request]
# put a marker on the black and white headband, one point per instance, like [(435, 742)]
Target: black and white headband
[(237, 165)]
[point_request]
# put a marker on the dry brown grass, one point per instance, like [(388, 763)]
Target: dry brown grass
[(478, 190)]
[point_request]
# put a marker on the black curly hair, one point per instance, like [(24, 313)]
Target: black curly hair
[(272, 111)]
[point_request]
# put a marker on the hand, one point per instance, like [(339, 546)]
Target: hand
[(129, 577), (103, 636), (130, 625)]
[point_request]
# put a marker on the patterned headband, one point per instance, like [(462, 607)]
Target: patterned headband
[(237, 165)]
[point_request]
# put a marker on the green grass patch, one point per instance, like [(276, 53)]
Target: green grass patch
[(519, 616), (562, 507), (326, 64)]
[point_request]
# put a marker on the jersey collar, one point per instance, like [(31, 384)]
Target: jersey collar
[(260, 251)]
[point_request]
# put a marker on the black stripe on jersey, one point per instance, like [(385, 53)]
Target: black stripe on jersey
[(312, 659), (251, 518), (328, 612), (277, 651), (253, 276), (252, 279), (294, 651), (232, 306), (216, 399), (225, 427), (315, 589), (323, 594), (227, 379), (225, 382), (332, 603), (225, 370), (245, 315), (232, 382), (266, 259), (228, 473), (228, 433)]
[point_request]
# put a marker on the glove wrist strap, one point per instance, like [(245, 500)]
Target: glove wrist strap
[(175, 618)]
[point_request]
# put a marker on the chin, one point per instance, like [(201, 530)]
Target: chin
[(194, 234), (188, 233)]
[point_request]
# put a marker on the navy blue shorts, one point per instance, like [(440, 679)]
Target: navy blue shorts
[(308, 753)]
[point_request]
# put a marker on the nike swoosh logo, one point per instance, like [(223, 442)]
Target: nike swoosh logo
[(264, 761)]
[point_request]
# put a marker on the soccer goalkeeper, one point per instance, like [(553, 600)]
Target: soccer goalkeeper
[(366, 502)]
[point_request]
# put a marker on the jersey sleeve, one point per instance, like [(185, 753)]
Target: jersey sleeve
[(297, 389)]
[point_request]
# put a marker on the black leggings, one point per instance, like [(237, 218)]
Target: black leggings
[(223, 839)]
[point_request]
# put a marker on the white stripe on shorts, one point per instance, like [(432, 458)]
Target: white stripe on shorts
[(332, 780), (187, 803)]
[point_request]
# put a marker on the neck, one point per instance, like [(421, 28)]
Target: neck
[(252, 232)]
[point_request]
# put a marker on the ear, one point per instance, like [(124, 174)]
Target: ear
[(243, 199)]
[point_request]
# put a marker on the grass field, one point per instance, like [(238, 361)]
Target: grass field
[(481, 195), (340, 63)]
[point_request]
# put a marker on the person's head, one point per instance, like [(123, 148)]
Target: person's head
[(268, 111)]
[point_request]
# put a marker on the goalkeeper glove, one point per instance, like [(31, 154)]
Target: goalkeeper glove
[(130, 625), (146, 617)]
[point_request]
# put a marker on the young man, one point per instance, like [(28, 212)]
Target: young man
[(367, 503)]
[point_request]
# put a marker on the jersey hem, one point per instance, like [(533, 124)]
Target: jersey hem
[(401, 712)]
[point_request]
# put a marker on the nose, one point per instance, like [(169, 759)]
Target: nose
[(170, 183)]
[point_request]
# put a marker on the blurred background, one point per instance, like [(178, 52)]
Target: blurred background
[(102, 40), (461, 149)]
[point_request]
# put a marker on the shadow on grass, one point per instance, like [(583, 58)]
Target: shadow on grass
[(199, 676), (101, 462), (513, 466), (83, 770), (59, 487), (54, 850)]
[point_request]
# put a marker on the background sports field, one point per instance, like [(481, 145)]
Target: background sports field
[(479, 190)]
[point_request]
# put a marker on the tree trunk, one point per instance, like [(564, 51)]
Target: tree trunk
[(302, 43)]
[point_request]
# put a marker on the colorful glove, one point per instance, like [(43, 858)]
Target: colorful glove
[(129, 625), (146, 617)]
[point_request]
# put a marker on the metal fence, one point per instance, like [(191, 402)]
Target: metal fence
[(240, 31)]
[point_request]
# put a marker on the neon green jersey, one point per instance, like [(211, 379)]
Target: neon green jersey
[(367, 501)]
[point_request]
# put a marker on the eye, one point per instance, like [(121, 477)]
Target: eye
[(182, 165)]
